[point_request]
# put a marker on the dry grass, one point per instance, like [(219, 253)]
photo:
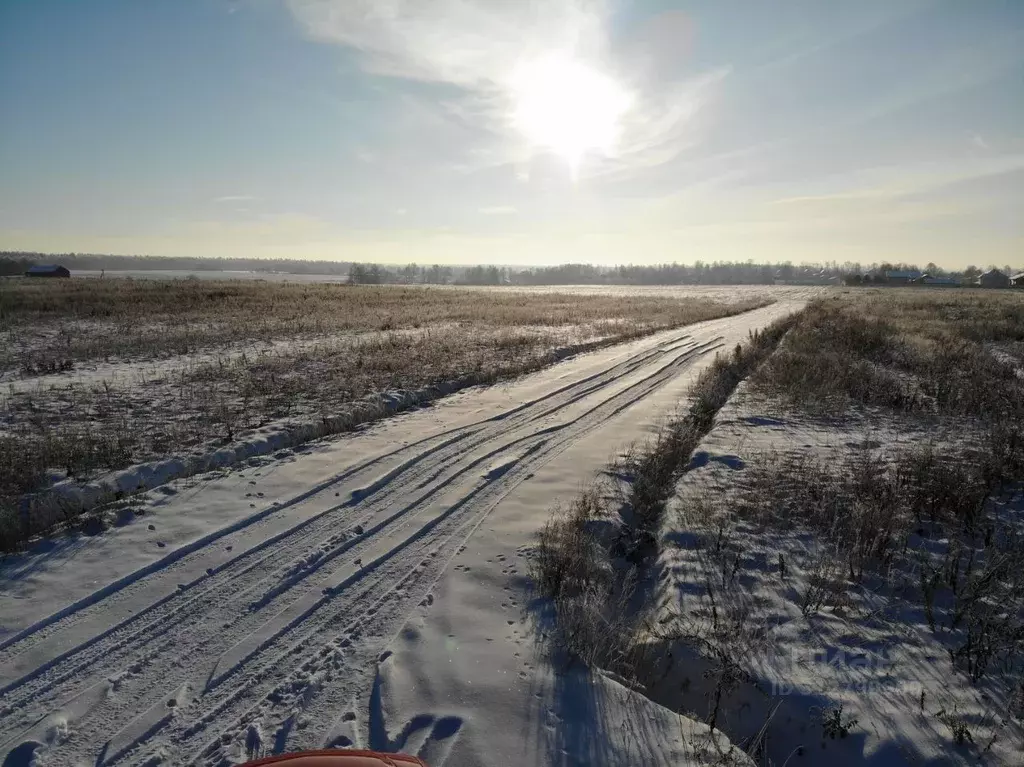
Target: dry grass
[(936, 522), (655, 468), (902, 350), (591, 597), (58, 323), (590, 555), (932, 523), (350, 344), (929, 531)]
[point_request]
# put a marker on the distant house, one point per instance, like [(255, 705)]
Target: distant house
[(994, 278), (903, 276), (940, 281), (1017, 280), (48, 270)]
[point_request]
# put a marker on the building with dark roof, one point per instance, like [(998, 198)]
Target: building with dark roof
[(48, 270), (994, 278)]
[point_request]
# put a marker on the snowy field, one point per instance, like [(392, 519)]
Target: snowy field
[(364, 590), (829, 568), (374, 588), (112, 384), (673, 290), (100, 376), (846, 670)]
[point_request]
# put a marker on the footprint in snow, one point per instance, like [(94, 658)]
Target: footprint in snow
[(23, 755), (253, 742), (428, 736)]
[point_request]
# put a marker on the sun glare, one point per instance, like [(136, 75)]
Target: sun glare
[(567, 107)]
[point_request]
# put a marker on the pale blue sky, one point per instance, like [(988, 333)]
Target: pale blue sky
[(515, 132)]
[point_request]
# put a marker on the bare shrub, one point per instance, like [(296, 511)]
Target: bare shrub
[(569, 557), (716, 384), (958, 726), (589, 556), (655, 469), (824, 583), (591, 598)]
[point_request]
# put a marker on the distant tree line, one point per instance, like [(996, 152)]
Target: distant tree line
[(97, 262), (15, 263), (697, 273)]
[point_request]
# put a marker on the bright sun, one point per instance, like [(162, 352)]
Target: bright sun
[(567, 107)]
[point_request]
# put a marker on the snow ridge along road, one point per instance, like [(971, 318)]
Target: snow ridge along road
[(267, 634)]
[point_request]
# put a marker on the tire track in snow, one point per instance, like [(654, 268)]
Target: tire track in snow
[(110, 650), (221, 704), (332, 643), (277, 548)]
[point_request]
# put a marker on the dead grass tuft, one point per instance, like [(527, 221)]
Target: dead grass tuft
[(654, 469), (589, 554), (573, 566), (900, 351)]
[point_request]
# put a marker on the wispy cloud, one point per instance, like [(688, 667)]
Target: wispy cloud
[(234, 198), (471, 43), (480, 46), (853, 195), (498, 210), (902, 181)]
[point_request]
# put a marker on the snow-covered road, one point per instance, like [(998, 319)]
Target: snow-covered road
[(367, 590)]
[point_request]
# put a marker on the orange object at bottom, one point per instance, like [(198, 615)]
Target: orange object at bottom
[(339, 758)]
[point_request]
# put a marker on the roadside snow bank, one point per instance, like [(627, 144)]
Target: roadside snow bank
[(69, 498)]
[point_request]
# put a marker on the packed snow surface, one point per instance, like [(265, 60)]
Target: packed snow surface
[(368, 590)]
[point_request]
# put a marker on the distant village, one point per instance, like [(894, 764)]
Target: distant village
[(992, 278)]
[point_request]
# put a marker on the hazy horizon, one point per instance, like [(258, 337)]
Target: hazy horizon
[(515, 133)]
